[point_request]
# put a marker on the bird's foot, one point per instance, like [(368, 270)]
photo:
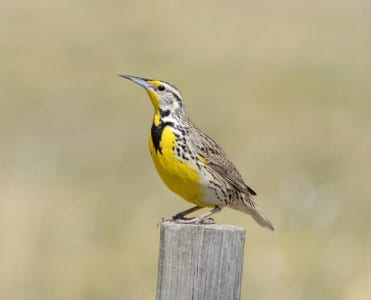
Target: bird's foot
[(173, 218), (182, 220), (197, 221)]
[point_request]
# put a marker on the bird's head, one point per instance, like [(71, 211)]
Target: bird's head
[(164, 96)]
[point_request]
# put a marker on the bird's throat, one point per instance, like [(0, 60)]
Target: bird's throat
[(156, 134), (154, 99)]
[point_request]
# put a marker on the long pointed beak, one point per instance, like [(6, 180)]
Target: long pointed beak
[(141, 81)]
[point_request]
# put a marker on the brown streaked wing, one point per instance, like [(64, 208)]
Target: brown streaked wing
[(207, 148)]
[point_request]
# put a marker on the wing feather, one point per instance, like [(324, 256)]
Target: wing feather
[(216, 158)]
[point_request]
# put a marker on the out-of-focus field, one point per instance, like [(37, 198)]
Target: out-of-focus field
[(283, 86)]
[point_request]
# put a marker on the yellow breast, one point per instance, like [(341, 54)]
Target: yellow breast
[(179, 176)]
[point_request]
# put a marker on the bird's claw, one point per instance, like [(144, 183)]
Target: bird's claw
[(182, 220)]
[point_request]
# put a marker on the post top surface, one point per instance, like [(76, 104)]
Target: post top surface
[(216, 227)]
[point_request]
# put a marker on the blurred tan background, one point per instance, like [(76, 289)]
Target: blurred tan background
[(283, 86)]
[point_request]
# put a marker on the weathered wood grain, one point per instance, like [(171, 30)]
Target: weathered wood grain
[(200, 262)]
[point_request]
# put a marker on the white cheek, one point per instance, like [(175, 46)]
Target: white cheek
[(168, 99)]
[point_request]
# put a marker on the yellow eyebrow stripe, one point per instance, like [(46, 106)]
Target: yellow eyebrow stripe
[(155, 82)]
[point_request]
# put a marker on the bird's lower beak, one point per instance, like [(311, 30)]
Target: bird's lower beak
[(141, 81)]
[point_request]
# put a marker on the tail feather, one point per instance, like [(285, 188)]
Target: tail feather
[(254, 211), (261, 218)]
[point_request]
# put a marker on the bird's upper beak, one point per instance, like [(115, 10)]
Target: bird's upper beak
[(150, 86), (141, 81)]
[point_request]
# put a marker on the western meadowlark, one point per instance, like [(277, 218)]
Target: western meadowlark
[(191, 163)]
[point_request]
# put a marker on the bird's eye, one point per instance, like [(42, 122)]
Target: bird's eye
[(161, 88)]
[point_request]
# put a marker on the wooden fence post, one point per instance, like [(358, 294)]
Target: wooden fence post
[(200, 262)]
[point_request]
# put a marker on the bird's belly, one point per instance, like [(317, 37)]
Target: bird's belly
[(180, 176)]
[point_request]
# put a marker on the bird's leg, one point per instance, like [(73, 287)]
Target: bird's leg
[(203, 219), (180, 215), (183, 213)]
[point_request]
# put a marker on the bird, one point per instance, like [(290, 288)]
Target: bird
[(192, 164)]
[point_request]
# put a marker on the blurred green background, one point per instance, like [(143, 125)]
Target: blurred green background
[(283, 86)]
